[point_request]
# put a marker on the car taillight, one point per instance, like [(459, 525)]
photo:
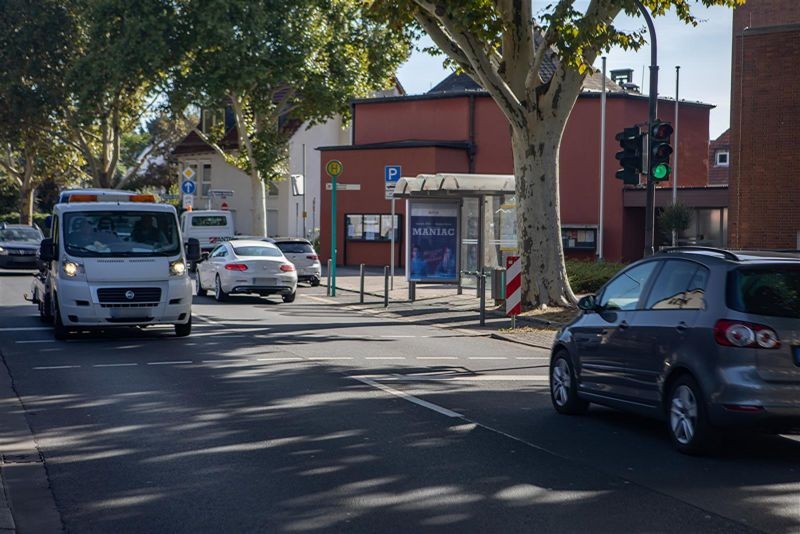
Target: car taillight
[(236, 267), (312, 257), (287, 267), (742, 334)]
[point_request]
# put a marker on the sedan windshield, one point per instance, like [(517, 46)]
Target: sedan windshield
[(255, 250), (20, 235), (121, 233)]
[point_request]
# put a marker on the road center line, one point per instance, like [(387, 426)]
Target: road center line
[(331, 358), (36, 341), (437, 357), (285, 359), (385, 358), (487, 358), (56, 367), (170, 363), (532, 358), (115, 365), (406, 396)]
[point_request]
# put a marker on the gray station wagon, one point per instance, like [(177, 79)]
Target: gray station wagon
[(703, 338)]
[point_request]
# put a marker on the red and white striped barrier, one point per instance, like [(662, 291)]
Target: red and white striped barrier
[(513, 286)]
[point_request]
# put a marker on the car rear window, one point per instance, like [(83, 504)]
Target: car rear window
[(295, 248), (210, 220), (772, 290), (269, 252)]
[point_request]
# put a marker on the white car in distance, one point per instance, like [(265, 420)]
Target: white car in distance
[(246, 267)]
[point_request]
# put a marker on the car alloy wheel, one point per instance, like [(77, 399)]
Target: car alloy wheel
[(200, 291), (561, 382), (683, 414), (219, 293), (564, 386)]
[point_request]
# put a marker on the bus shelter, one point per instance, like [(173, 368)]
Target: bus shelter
[(457, 225)]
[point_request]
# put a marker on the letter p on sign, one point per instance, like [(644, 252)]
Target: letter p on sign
[(392, 173)]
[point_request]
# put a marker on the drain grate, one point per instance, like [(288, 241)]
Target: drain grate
[(24, 458)]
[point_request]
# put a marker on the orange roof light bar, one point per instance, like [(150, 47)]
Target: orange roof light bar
[(142, 198), (83, 198)]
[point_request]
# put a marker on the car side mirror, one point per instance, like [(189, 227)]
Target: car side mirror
[(203, 256), (47, 250), (48, 222), (193, 249), (588, 303)]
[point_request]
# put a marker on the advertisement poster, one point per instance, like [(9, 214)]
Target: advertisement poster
[(433, 242)]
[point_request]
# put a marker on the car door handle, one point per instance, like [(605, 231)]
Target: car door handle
[(682, 327)]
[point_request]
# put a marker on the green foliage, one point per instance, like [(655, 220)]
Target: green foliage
[(589, 276), (675, 217), (13, 218)]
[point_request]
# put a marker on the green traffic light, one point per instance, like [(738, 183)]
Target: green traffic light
[(660, 171)]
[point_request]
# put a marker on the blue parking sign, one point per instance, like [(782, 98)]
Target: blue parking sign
[(392, 173)]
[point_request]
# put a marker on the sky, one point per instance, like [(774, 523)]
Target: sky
[(702, 52)]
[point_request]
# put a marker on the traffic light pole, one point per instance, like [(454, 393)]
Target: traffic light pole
[(650, 215)]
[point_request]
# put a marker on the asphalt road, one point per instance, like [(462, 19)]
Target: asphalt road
[(310, 417)]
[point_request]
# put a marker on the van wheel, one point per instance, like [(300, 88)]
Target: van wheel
[(689, 429), (290, 297), (219, 293), (564, 386), (60, 332), (200, 291), (183, 330)]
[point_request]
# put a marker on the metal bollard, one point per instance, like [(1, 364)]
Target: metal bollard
[(478, 282), (482, 291), (386, 287), (328, 293), (412, 291), (361, 284)]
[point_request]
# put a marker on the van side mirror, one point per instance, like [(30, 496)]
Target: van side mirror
[(47, 250), (48, 222), (192, 249), (588, 303)]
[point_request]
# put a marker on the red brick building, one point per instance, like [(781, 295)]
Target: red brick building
[(765, 104), (719, 159), (457, 128)]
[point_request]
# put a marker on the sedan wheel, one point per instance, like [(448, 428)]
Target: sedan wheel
[(219, 293), (564, 387), (689, 428)]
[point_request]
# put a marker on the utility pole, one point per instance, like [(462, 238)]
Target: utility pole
[(650, 215), (675, 153)]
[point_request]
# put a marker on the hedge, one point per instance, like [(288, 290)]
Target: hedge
[(13, 218), (589, 276)]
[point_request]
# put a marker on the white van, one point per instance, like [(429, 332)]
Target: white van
[(209, 227), (116, 264)]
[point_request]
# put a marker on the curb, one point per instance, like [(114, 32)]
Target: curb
[(510, 339)]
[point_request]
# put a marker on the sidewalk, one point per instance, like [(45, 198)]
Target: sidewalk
[(440, 305)]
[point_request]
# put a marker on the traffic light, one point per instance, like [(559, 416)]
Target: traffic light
[(630, 157), (660, 151)]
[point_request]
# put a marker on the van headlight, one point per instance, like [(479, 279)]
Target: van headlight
[(3, 252), (177, 268), (71, 269)]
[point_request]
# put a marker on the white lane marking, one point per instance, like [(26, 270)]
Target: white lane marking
[(56, 367), (487, 358), (26, 329), (458, 378), (532, 358), (207, 320), (170, 363), (399, 337), (331, 358), (385, 358), (229, 361), (410, 398), (286, 359), (115, 365), (36, 341), (437, 357)]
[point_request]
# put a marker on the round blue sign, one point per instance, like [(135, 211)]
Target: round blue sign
[(188, 187)]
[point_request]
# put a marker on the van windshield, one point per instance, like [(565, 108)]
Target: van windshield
[(121, 233), (772, 290)]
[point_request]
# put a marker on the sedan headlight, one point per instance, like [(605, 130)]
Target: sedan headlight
[(71, 269), (177, 268), (3, 252)]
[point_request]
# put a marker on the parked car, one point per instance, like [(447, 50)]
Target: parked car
[(305, 259), (703, 338), (246, 266), (19, 244)]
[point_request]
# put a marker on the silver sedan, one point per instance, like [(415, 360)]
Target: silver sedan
[(246, 266)]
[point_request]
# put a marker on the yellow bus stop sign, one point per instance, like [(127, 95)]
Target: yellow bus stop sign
[(334, 168)]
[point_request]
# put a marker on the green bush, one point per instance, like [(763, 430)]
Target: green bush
[(13, 218), (589, 276)]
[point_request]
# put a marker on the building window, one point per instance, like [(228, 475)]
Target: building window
[(205, 180), (272, 189), (372, 227), (721, 158)]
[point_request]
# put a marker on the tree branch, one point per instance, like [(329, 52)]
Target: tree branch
[(444, 42), (517, 42), (241, 130), (214, 146)]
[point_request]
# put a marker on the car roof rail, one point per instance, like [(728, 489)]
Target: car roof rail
[(727, 254)]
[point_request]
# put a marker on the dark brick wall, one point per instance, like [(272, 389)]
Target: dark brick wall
[(765, 105)]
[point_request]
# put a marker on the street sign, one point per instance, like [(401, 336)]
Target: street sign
[(220, 193), (389, 192), (188, 173), (343, 187), (188, 201), (334, 168), (391, 173), (224, 206), (188, 187)]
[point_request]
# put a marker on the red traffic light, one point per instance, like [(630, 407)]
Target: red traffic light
[(661, 130)]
